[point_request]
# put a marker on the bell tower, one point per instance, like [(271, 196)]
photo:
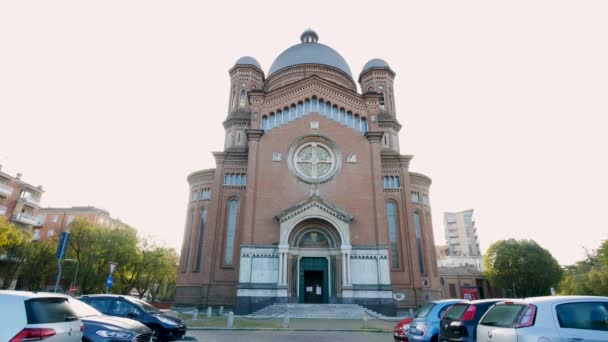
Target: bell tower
[(246, 75)]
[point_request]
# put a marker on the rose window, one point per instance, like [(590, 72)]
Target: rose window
[(314, 162)]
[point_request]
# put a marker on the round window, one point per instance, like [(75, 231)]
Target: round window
[(313, 160)]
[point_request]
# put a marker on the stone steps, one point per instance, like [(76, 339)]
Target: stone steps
[(336, 311)]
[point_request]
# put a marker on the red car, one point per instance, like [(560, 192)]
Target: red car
[(402, 328)]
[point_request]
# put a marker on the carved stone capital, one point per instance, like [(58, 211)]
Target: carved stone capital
[(374, 137), (254, 134)]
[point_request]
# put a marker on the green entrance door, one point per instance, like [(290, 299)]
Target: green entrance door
[(314, 280)]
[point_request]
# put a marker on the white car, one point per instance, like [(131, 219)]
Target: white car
[(30, 316), (546, 319)]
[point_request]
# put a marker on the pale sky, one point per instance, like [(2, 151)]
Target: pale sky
[(503, 104)]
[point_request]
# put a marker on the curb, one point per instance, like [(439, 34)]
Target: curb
[(290, 329)]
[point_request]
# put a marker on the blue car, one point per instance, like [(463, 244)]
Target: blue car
[(425, 326)]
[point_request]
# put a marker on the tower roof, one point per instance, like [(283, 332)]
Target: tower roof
[(309, 51), (247, 60), (375, 63)]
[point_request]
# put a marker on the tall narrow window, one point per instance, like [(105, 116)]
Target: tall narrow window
[(321, 107), (419, 242), (306, 106), (328, 109), (357, 122), (342, 116), (187, 242), (279, 118), (349, 119), (300, 109), (243, 98), (230, 232), (364, 125), (314, 104), (264, 122), (201, 237), (271, 123), (334, 113), (286, 116), (292, 112), (392, 233)]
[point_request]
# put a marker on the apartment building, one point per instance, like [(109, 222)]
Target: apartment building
[(56, 220), (19, 201), (461, 234)]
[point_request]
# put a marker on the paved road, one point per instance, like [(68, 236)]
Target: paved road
[(291, 336)]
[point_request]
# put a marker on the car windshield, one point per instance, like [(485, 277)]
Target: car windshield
[(425, 310), (456, 311), (503, 315), (144, 306), (82, 309)]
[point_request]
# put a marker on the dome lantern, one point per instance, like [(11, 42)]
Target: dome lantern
[(309, 36)]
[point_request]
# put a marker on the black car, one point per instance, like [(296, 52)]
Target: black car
[(164, 327), (459, 323), (102, 328)]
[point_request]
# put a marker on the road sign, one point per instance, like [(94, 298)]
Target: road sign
[(73, 289), (109, 281), (62, 246), (112, 267)]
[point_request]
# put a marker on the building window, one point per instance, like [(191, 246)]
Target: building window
[(315, 107), (415, 197), (194, 195), (70, 219), (235, 179), (381, 91), (230, 232), (50, 233), (187, 242), (391, 209), (392, 182), (321, 107), (364, 125), (205, 194), (453, 291), (349, 119), (425, 199), (419, 242), (201, 236), (264, 122), (55, 218), (313, 162), (342, 116), (243, 98)]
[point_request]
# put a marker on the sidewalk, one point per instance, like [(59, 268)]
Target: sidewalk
[(295, 324)]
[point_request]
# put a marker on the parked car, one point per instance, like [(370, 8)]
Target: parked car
[(164, 327), (555, 318), (425, 326), (103, 328), (459, 323), (29, 316), (401, 329)]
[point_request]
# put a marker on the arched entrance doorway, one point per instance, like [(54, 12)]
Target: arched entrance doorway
[(314, 247)]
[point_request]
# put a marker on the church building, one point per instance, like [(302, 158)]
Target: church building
[(311, 200)]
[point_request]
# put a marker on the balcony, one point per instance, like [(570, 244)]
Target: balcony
[(5, 189), (3, 209), (26, 218), (31, 201)]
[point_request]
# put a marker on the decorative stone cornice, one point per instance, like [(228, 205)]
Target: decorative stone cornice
[(420, 179), (254, 134), (374, 137), (393, 159), (237, 117), (318, 202), (228, 156), (201, 176)]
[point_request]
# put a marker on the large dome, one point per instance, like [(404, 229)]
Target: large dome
[(310, 52)]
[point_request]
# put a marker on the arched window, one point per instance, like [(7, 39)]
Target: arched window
[(279, 118), (233, 97), (321, 107), (300, 109), (397, 182), (230, 232), (391, 210), (271, 123), (201, 237), (243, 98), (286, 116), (334, 113), (364, 125), (233, 179), (381, 91), (342, 116), (357, 122), (349, 119), (419, 242), (187, 242), (238, 180), (385, 182), (264, 122), (244, 179), (306, 106), (315, 107), (292, 112), (226, 178), (328, 109)]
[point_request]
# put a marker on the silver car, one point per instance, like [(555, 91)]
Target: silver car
[(546, 319), (30, 316)]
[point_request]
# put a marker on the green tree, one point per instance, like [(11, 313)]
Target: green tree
[(589, 276), (13, 251), (522, 267), (39, 266)]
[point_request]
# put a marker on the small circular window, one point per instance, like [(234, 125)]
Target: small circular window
[(314, 159)]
